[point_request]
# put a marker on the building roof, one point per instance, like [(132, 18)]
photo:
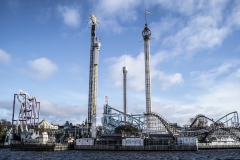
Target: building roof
[(110, 137), (161, 136)]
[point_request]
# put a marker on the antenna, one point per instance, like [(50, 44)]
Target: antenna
[(124, 57), (146, 11)]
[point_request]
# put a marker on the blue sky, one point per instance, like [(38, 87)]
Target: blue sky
[(195, 61)]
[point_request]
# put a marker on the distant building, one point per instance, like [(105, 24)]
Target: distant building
[(44, 124)]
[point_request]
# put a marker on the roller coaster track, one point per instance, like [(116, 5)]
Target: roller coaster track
[(201, 116), (234, 113), (216, 125), (170, 128)]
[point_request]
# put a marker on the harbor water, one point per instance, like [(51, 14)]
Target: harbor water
[(6, 154)]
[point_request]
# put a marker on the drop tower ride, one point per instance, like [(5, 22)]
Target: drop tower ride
[(125, 70), (93, 78)]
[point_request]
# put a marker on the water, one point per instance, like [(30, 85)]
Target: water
[(6, 154)]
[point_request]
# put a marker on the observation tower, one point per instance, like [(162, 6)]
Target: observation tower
[(146, 33)]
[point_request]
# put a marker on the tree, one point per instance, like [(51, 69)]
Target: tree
[(99, 129), (199, 120), (128, 130), (4, 127)]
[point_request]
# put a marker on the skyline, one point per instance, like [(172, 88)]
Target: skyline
[(194, 48)]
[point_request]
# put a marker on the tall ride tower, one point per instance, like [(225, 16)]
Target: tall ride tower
[(93, 78), (146, 33), (125, 70)]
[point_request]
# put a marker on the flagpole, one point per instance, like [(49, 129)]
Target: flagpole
[(145, 17)]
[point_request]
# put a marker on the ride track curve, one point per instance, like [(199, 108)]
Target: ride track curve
[(170, 128), (216, 125)]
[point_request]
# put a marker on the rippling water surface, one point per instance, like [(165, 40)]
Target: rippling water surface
[(77, 154)]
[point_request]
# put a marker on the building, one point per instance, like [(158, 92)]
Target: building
[(44, 124)]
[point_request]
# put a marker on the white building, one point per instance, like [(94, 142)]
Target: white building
[(44, 124), (187, 141), (84, 142), (132, 141)]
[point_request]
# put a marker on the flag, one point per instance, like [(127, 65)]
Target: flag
[(147, 11)]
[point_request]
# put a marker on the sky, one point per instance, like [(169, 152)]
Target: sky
[(194, 47)]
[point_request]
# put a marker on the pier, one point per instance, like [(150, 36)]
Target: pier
[(41, 146), (136, 148), (206, 146)]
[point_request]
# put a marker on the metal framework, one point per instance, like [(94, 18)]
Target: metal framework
[(225, 127), (113, 118), (29, 111), (93, 77), (155, 123), (149, 123)]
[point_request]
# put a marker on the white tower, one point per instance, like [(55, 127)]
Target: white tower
[(125, 70), (146, 33), (93, 78)]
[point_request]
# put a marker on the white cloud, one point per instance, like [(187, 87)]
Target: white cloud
[(200, 33), (136, 72), (201, 25), (214, 92), (57, 113), (184, 7), (112, 13), (4, 57), (6, 110), (238, 73), (70, 16), (206, 79), (41, 68), (233, 20), (61, 112), (167, 81)]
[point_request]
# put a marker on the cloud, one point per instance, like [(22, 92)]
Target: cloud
[(57, 113), (167, 81), (113, 13), (70, 16), (6, 110), (214, 92), (238, 73), (136, 72), (200, 33), (208, 78), (197, 26), (41, 68), (183, 7), (233, 20), (4, 57), (61, 112)]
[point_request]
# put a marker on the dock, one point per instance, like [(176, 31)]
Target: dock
[(136, 148), (206, 146), (41, 146)]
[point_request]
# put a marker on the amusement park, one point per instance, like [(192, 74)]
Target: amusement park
[(119, 130)]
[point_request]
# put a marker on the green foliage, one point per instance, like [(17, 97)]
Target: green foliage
[(4, 127)]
